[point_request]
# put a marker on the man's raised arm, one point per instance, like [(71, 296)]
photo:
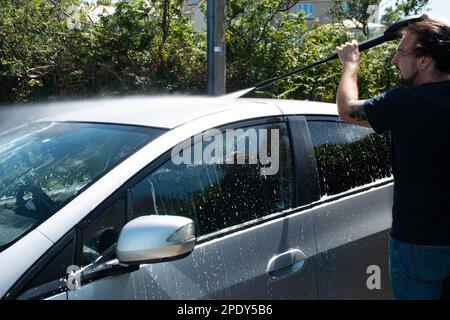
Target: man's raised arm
[(349, 107)]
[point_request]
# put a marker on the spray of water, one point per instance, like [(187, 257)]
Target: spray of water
[(238, 94), (15, 115)]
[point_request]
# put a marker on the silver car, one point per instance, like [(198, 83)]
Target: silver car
[(194, 198)]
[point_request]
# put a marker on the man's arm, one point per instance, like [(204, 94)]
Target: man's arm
[(349, 107)]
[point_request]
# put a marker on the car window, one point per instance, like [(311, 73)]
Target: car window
[(221, 195), (45, 165), (348, 155), (101, 233)]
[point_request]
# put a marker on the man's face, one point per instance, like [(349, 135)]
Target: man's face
[(405, 60)]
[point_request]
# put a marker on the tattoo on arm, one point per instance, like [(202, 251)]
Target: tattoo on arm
[(358, 113)]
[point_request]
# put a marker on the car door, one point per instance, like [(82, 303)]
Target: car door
[(353, 215), (248, 247)]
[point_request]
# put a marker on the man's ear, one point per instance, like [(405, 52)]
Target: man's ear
[(425, 62)]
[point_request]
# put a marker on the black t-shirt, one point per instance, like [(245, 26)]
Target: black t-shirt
[(419, 121)]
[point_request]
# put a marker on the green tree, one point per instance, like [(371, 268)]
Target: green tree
[(358, 11), (320, 83), (30, 46), (403, 8), (150, 48), (262, 39), (104, 2), (49, 49), (263, 42)]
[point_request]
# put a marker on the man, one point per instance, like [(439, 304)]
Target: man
[(418, 116)]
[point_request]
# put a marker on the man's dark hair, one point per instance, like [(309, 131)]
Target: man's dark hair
[(433, 40)]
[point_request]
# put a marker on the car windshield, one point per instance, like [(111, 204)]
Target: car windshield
[(44, 165)]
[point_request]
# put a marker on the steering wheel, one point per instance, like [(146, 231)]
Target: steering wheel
[(39, 206)]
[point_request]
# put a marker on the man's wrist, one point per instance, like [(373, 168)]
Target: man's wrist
[(350, 68), (351, 65)]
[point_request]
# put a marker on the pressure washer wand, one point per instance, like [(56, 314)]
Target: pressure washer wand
[(391, 33)]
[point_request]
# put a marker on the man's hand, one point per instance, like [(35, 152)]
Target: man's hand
[(348, 53)]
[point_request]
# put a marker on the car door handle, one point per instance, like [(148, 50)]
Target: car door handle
[(286, 263)]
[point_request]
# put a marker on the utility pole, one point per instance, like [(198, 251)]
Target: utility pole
[(216, 47)]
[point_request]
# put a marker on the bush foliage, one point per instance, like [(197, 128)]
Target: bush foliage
[(151, 47)]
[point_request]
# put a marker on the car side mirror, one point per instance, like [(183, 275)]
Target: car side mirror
[(155, 238)]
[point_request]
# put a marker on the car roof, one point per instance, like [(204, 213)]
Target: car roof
[(172, 111)]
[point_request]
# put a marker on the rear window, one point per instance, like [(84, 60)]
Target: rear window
[(45, 165), (348, 156)]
